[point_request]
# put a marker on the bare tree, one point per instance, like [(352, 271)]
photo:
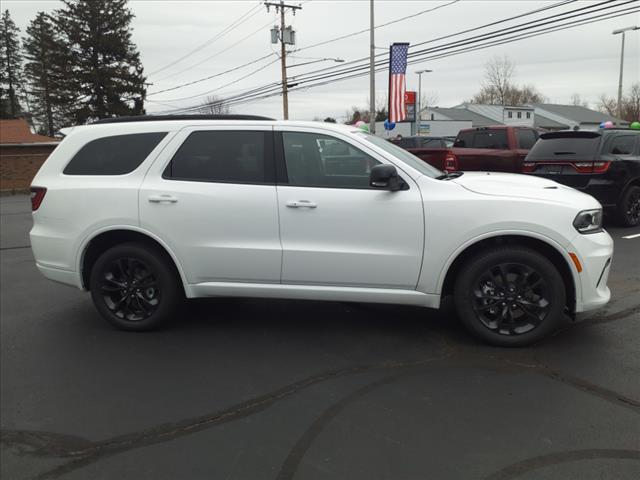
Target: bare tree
[(498, 87), (630, 104), (213, 105), (577, 100)]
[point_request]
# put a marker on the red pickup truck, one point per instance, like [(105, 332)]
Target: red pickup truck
[(492, 149)]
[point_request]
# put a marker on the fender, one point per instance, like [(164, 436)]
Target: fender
[(500, 233), (85, 243)]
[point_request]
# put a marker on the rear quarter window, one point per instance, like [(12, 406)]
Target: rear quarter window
[(620, 144), (115, 155)]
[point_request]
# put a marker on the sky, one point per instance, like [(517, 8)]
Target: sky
[(583, 60)]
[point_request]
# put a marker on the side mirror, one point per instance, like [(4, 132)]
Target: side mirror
[(386, 177)]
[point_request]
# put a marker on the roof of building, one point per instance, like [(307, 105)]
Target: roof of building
[(18, 131), (476, 119), (576, 113), (540, 121)]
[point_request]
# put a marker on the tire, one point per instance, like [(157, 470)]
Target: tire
[(521, 311), (135, 287), (628, 210)]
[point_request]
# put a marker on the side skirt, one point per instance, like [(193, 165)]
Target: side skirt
[(307, 292)]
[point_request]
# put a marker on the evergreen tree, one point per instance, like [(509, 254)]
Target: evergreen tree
[(106, 73), (45, 73), (11, 66)]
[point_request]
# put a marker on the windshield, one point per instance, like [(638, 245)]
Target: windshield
[(408, 158)]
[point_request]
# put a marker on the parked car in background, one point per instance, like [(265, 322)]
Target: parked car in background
[(417, 141), (492, 149), (604, 164)]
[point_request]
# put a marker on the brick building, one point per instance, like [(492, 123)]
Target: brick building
[(22, 152)]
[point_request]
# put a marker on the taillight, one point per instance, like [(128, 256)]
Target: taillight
[(528, 167), (37, 195), (591, 167), (583, 167), (601, 167), (450, 162)]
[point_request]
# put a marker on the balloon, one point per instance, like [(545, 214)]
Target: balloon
[(608, 124), (389, 125), (635, 126), (359, 123), (601, 124), (364, 127)]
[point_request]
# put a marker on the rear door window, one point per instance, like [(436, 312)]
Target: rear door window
[(224, 156), (621, 145), (526, 138), (115, 155)]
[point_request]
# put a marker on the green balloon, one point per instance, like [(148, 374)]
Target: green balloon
[(364, 127), (635, 126)]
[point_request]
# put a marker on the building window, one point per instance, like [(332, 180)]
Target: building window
[(510, 114), (519, 114), (528, 114)]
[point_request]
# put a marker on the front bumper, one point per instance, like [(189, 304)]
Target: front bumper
[(595, 253)]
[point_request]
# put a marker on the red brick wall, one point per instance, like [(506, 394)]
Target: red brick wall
[(18, 165)]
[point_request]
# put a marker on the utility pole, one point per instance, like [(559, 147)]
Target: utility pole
[(281, 8), (616, 32), (372, 75)]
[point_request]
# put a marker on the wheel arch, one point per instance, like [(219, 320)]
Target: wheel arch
[(101, 241), (548, 249)]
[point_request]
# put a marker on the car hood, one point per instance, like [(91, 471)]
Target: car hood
[(521, 186)]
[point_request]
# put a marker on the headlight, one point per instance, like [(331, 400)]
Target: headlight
[(589, 221)]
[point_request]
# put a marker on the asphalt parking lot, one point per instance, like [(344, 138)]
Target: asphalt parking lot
[(256, 389)]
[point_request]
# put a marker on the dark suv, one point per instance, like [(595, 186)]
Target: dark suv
[(605, 164)]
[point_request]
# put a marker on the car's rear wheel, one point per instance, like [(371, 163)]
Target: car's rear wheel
[(629, 207), (512, 296), (134, 287)]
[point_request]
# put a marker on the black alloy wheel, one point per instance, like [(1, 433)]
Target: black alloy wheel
[(130, 289), (511, 299), (135, 286), (510, 296), (630, 207)]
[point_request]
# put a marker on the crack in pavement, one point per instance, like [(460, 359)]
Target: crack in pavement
[(90, 452), (84, 452), (15, 248), (518, 469)]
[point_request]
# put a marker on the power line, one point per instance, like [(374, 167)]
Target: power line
[(217, 53), (468, 44), (240, 20)]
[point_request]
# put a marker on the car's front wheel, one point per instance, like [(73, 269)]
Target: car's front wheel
[(629, 207), (512, 296), (134, 287)]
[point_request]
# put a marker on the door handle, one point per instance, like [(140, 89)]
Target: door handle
[(301, 204), (162, 199)]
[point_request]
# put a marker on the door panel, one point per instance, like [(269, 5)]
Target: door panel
[(220, 231), (364, 238), (334, 228)]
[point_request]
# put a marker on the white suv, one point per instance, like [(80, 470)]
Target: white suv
[(144, 211)]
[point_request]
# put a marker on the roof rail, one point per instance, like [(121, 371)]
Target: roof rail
[(154, 118)]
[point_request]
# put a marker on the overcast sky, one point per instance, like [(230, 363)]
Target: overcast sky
[(582, 60)]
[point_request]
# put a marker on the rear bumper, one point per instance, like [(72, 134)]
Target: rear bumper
[(595, 254), (61, 276)]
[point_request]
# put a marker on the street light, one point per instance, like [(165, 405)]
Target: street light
[(616, 32), (419, 109)]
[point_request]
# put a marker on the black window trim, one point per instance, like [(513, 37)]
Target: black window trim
[(269, 159), (282, 179)]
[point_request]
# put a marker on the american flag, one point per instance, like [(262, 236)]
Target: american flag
[(397, 71)]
